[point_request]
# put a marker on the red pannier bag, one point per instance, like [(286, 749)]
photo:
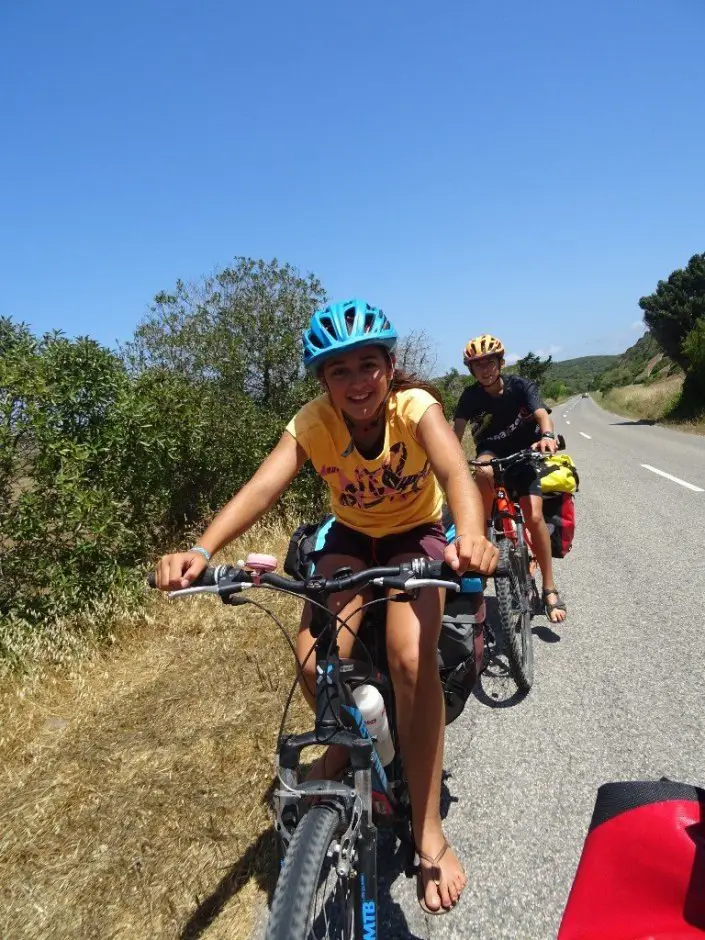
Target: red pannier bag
[(559, 513), (641, 874)]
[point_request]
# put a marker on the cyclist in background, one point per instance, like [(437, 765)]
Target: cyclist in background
[(379, 439), (506, 415)]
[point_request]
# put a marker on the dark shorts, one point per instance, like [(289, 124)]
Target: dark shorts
[(428, 540), (522, 479)]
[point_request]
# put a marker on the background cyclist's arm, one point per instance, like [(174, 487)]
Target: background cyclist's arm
[(241, 512), (543, 419), (450, 466), (541, 414), (459, 425)]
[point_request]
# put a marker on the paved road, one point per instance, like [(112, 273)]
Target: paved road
[(619, 693)]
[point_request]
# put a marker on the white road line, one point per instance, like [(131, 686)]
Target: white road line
[(567, 422), (662, 473), (585, 435)]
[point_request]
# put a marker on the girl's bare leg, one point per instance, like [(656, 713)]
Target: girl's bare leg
[(412, 643), (330, 764)]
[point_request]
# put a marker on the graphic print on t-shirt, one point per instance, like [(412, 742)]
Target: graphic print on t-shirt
[(479, 426), (392, 492), (370, 487)]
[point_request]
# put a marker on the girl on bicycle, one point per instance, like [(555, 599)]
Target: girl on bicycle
[(381, 442)]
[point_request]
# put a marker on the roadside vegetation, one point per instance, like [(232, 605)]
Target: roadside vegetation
[(662, 377), (650, 402)]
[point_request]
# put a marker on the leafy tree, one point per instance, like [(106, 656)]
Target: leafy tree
[(694, 349), (533, 367), (555, 389), (16, 346), (236, 339), (239, 330), (78, 509), (675, 307), (451, 386)]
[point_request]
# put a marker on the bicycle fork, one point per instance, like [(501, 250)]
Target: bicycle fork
[(367, 921), (357, 848)]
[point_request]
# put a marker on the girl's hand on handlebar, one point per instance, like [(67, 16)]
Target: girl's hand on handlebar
[(473, 553), (179, 570)]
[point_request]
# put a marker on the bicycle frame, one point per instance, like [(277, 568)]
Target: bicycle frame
[(372, 798), (506, 518)]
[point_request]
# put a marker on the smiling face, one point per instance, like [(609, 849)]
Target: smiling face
[(358, 381), (487, 371)]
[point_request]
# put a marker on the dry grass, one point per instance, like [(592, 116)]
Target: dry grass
[(135, 790), (649, 402)]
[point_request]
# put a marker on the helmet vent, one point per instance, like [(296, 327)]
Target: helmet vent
[(327, 325)]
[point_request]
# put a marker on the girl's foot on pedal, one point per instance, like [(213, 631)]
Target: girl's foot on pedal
[(440, 879)]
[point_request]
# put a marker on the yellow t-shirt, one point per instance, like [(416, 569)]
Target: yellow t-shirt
[(391, 493)]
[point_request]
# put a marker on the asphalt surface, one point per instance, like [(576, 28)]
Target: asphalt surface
[(619, 690)]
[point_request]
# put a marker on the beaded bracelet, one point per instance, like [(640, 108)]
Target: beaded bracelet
[(201, 551)]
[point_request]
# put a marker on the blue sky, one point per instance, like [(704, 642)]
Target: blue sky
[(526, 169)]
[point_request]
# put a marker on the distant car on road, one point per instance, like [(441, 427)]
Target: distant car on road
[(585, 395)]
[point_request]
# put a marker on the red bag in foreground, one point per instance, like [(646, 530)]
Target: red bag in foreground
[(642, 870)]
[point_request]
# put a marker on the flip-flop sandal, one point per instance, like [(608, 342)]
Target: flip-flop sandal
[(549, 608), (432, 867)]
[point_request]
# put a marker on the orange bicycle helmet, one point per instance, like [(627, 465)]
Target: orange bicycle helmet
[(481, 347)]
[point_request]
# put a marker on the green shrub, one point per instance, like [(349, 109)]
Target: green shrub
[(107, 459)]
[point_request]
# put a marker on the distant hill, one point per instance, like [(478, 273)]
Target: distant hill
[(575, 375), (642, 362), (578, 375)]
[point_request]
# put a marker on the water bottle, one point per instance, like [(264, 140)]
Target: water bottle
[(371, 704)]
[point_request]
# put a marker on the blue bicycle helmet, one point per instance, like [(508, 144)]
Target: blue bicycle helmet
[(344, 326)]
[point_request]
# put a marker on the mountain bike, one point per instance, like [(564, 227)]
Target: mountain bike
[(327, 830), (518, 597)]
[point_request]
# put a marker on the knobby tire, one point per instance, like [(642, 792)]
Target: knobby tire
[(515, 613), (307, 870)]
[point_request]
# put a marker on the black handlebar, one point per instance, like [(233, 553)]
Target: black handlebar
[(528, 454), (230, 579)]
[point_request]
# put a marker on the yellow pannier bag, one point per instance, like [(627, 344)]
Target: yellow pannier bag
[(559, 475)]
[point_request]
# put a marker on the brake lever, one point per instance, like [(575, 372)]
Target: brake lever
[(433, 582), (185, 592), (224, 591)]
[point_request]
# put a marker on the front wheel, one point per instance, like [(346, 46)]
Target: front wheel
[(514, 599), (311, 901)]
